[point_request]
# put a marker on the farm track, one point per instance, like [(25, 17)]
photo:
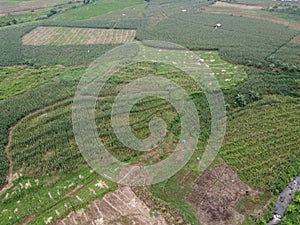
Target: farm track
[(77, 36), (222, 8), (9, 178)]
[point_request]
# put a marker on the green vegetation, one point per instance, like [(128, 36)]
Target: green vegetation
[(19, 79), (261, 143), (260, 83), (26, 17), (287, 57), (293, 212), (94, 9), (261, 90), (11, 46), (65, 55), (13, 109), (50, 196), (240, 40), (43, 143), (251, 203)]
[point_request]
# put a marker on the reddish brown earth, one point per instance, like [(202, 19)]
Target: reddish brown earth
[(216, 195), (25, 6)]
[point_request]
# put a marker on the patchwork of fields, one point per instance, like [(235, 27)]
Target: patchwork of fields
[(76, 36), (254, 55)]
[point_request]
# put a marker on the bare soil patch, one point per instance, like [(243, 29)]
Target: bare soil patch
[(237, 6), (118, 207), (76, 36), (25, 6), (216, 195), (248, 11)]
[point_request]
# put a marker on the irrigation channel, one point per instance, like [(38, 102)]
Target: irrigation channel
[(283, 200)]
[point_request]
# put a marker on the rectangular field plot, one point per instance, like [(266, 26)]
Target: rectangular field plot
[(76, 36)]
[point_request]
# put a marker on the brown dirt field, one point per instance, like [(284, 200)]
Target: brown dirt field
[(238, 6), (216, 195), (219, 8), (118, 207), (76, 36), (296, 40), (25, 6)]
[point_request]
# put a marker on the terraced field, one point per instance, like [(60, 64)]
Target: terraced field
[(262, 143), (46, 162), (76, 36), (228, 75), (119, 207)]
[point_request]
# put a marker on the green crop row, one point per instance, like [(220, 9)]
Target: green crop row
[(240, 40), (261, 143)]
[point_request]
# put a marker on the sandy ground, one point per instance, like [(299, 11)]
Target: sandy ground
[(119, 207), (76, 36)]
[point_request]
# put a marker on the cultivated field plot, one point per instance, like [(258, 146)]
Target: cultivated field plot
[(119, 207), (76, 36), (216, 195), (46, 162), (262, 143), (250, 11), (7, 6)]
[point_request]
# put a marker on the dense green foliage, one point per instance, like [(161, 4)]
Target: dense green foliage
[(10, 45), (262, 97), (19, 79), (293, 212), (44, 144), (13, 52), (260, 83), (66, 55), (94, 9), (261, 143), (287, 57)]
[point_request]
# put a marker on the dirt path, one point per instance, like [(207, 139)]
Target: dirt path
[(9, 178)]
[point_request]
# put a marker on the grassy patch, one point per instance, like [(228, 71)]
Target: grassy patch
[(76, 36), (293, 212), (97, 8)]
